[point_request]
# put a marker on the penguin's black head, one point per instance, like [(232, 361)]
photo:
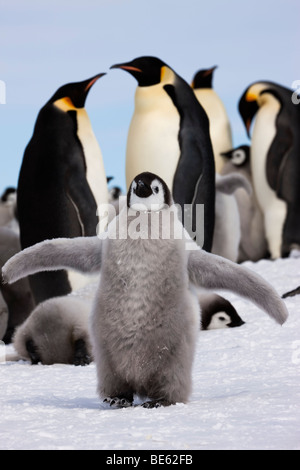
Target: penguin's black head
[(75, 93), (146, 70), (203, 78), (9, 194), (248, 108), (217, 312), (238, 156), (148, 192)]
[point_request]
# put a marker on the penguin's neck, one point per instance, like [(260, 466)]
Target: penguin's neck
[(151, 98), (93, 157)]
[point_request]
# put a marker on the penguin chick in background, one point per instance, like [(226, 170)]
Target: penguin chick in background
[(253, 244), (275, 163), (170, 137), (217, 312), (219, 124), (56, 332), (62, 181), (8, 209), (227, 233), (144, 335)]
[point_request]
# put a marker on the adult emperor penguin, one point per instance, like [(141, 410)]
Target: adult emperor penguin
[(275, 163), (219, 124), (184, 162), (253, 244), (62, 180), (144, 335)]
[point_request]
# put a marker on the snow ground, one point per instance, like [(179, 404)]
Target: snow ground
[(246, 392)]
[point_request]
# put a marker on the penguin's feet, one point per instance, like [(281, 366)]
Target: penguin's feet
[(81, 357), (117, 402), (156, 403)]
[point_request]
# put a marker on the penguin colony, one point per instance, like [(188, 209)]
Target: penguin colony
[(179, 157)]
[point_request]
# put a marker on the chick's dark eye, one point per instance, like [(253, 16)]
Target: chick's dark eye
[(222, 318), (155, 189)]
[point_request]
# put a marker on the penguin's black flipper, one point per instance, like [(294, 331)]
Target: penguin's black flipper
[(194, 179), (291, 293), (84, 204), (280, 161)]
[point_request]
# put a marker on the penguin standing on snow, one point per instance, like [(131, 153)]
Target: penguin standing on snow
[(172, 143), (219, 124), (275, 163), (62, 180), (253, 244), (143, 343), (227, 233)]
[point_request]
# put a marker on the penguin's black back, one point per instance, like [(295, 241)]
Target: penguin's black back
[(283, 164), (194, 179), (52, 186)]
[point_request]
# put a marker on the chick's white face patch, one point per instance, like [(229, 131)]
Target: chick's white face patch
[(154, 202), (219, 320), (238, 157)]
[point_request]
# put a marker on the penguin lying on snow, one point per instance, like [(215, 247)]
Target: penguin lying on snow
[(62, 181), (144, 335), (217, 312), (56, 332), (253, 244), (275, 163)]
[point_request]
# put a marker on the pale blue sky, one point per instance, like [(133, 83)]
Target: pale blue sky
[(45, 44)]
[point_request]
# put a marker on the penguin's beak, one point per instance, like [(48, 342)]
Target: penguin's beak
[(226, 154), (129, 68), (81, 90), (210, 71), (143, 189), (91, 81), (248, 109)]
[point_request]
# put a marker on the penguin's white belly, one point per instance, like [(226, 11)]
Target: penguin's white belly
[(219, 125), (96, 175), (152, 145), (274, 209), (227, 233)]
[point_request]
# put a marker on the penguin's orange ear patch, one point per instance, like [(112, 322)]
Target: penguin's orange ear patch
[(65, 104), (250, 96)]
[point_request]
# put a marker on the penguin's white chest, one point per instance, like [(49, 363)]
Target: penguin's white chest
[(152, 143), (95, 172), (219, 125)]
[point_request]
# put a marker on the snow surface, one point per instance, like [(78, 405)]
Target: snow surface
[(246, 392)]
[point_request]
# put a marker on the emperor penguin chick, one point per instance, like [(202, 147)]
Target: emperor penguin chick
[(144, 335), (56, 332)]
